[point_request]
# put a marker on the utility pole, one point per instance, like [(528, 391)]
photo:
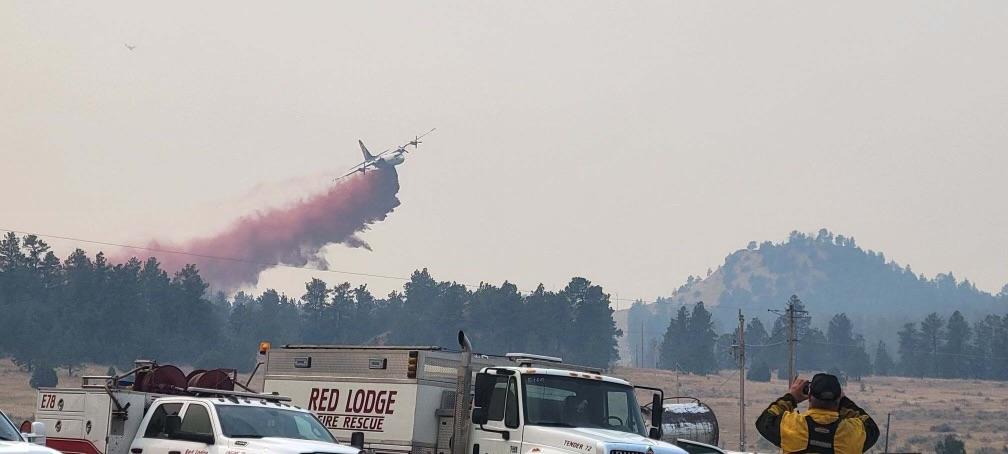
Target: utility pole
[(642, 361), (741, 362), (791, 339), (792, 316)]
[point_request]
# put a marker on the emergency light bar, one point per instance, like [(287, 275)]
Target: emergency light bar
[(523, 358)]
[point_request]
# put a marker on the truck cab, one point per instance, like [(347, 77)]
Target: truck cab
[(228, 424), (535, 410)]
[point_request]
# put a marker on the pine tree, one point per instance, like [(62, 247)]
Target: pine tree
[(673, 347), (841, 348), (954, 353), (933, 334), (756, 338), (43, 376), (911, 351), (594, 342), (759, 372), (883, 360), (700, 341)]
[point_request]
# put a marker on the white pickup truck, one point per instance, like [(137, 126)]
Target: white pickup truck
[(227, 425), (13, 441), (164, 412)]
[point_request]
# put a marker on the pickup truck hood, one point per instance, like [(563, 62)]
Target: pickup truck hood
[(585, 440), (289, 446), (21, 447)]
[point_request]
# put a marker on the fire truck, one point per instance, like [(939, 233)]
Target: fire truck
[(428, 400), (158, 409)]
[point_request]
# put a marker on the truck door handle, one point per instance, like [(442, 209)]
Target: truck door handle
[(174, 452)]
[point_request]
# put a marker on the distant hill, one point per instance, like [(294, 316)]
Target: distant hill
[(829, 273)]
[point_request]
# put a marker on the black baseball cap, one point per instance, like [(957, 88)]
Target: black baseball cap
[(825, 387)]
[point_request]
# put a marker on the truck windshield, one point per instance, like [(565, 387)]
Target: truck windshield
[(552, 400), (7, 430), (243, 421)]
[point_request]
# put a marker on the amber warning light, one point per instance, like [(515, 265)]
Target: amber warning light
[(264, 347)]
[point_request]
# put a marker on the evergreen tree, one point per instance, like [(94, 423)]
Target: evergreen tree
[(840, 337), (911, 351), (759, 372), (933, 335), (43, 376), (673, 347), (884, 365), (699, 356), (756, 339), (594, 342), (316, 312), (954, 354)]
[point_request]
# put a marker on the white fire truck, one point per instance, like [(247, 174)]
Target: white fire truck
[(417, 400), (163, 411)]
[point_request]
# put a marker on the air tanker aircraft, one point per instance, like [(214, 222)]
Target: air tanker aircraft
[(385, 159)]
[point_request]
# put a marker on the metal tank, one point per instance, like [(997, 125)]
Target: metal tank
[(687, 418)]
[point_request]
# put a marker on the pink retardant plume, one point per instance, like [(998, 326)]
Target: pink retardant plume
[(292, 235)]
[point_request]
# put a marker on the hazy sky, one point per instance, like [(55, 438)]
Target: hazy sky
[(632, 143)]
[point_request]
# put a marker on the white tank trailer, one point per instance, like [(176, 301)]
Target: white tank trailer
[(686, 418)]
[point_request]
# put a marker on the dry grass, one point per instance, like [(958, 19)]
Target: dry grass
[(17, 398), (922, 410), (975, 410)]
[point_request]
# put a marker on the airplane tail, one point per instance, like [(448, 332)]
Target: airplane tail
[(367, 154)]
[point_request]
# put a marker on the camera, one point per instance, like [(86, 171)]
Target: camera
[(807, 389)]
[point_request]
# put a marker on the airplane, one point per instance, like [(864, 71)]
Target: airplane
[(386, 159)]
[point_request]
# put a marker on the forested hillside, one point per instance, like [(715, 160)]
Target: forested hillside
[(62, 313), (830, 273)]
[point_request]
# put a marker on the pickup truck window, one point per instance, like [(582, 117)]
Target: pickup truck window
[(245, 421), (196, 420), (156, 426), (558, 401), (7, 430)]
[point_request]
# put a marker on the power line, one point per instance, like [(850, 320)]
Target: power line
[(250, 262), (964, 355), (206, 256)]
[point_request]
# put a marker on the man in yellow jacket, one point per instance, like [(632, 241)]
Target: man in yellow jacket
[(832, 425)]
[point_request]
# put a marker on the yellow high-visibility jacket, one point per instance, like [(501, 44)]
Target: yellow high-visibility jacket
[(847, 431)]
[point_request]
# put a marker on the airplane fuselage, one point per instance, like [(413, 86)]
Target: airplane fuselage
[(390, 161)]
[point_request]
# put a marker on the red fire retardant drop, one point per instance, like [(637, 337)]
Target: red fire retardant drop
[(292, 235)]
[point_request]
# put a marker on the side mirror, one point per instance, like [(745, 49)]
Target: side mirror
[(656, 416), (357, 440), (172, 424), (206, 439), (654, 433), (484, 389), (479, 415)]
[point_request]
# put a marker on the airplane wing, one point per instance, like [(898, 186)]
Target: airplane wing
[(362, 167), (354, 168)]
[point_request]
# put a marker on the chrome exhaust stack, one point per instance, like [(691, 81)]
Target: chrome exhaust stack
[(463, 396)]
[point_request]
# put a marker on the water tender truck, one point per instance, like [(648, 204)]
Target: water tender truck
[(428, 400)]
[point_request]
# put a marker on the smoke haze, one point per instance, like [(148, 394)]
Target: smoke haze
[(290, 235)]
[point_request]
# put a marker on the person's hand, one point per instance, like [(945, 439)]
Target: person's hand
[(797, 389)]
